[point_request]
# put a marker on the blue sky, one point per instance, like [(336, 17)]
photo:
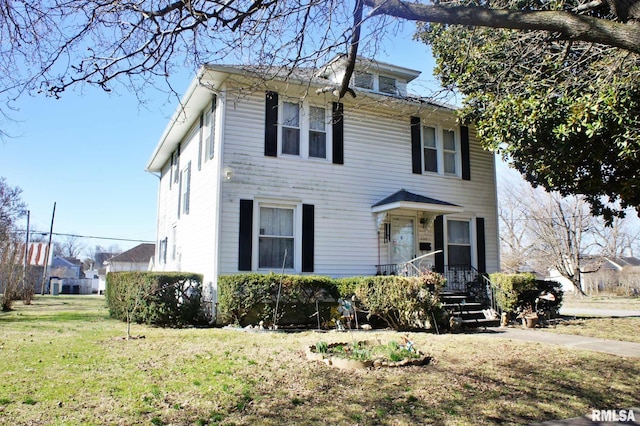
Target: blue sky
[(88, 150)]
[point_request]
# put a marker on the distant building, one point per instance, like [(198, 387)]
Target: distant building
[(136, 259)]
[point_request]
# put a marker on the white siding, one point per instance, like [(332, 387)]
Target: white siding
[(196, 232), (377, 163)]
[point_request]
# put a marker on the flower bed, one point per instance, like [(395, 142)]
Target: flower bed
[(364, 354)]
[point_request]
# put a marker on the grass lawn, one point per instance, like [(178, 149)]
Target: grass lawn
[(624, 329), (64, 362), (601, 302)]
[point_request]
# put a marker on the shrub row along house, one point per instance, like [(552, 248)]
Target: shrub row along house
[(263, 170)]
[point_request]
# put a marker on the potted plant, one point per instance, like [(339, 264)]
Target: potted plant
[(529, 317)]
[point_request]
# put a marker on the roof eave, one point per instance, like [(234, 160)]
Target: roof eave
[(424, 207)]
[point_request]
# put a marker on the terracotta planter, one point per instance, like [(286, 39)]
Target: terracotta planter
[(529, 322)]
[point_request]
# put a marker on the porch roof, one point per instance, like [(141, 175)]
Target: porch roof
[(404, 199)]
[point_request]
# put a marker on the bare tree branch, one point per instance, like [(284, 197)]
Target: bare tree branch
[(567, 25)]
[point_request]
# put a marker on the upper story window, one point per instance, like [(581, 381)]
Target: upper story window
[(317, 132), (291, 128), (387, 84), (375, 82), (303, 130), (363, 80), (185, 182), (450, 152), (440, 151), (208, 127)]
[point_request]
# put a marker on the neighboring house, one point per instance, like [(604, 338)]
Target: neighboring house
[(604, 274), (136, 259), (66, 267), (254, 168), (67, 277)]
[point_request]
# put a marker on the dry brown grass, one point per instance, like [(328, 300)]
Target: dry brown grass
[(623, 329), (75, 371)]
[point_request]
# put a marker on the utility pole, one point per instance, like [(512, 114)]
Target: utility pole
[(26, 253), (48, 251)]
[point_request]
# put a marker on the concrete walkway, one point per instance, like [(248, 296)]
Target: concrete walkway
[(598, 312), (614, 347)]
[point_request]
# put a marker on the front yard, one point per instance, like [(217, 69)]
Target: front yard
[(62, 361)]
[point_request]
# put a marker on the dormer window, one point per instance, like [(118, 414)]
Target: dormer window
[(387, 84), (363, 80)]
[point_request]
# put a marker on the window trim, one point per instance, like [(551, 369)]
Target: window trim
[(304, 120), (296, 206), (440, 150), (185, 188), (472, 238)]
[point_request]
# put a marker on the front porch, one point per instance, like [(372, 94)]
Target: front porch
[(457, 276)]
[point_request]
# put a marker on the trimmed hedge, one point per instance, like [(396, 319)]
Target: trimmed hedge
[(509, 287), (251, 298), (517, 292), (401, 302), (156, 298)]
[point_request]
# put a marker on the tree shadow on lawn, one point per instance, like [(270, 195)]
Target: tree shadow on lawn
[(510, 392)]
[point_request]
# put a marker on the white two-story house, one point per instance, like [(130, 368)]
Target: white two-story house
[(262, 170)]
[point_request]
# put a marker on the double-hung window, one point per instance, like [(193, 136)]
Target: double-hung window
[(209, 131), (276, 239), (458, 243), (291, 128), (440, 151), (303, 130), (450, 152), (317, 132), (185, 182), (430, 148)]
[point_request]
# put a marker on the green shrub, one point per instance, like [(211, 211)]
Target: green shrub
[(401, 302), (530, 298), (250, 298), (518, 292), (508, 288), (155, 298)]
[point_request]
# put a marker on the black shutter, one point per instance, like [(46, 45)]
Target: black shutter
[(245, 238), (338, 133), (464, 152), (480, 241), (416, 155), (271, 125), (307, 237), (439, 243)]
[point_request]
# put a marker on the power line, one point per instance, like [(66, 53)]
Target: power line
[(20, 231)]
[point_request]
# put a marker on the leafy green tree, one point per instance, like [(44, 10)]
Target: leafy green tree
[(563, 113)]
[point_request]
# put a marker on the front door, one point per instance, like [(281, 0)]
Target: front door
[(402, 245)]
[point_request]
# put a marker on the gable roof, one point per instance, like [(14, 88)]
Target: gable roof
[(139, 254), (67, 261), (409, 200)]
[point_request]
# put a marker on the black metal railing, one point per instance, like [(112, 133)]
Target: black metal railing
[(460, 278)]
